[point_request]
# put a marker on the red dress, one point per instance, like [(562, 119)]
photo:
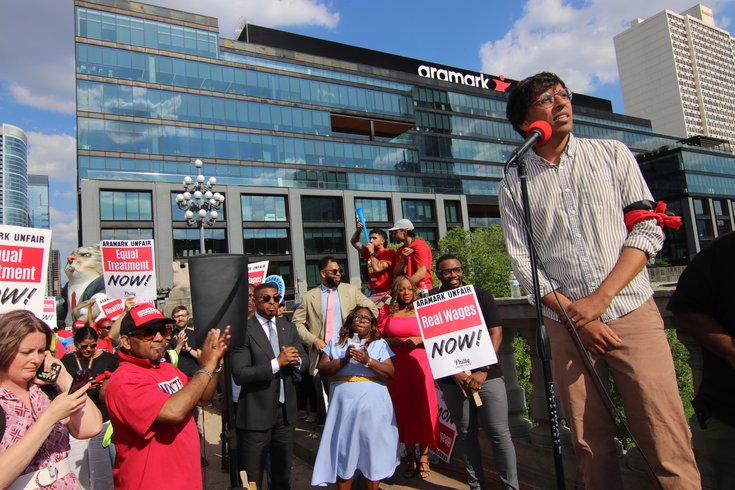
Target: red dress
[(412, 387)]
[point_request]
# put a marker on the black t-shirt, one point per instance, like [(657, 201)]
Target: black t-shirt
[(707, 286), (491, 313), (105, 362)]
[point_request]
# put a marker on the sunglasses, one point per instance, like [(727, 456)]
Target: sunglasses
[(104, 327), (85, 347), (149, 333), (334, 271), (266, 298)]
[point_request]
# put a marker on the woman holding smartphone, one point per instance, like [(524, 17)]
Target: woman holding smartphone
[(90, 460), (34, 446)]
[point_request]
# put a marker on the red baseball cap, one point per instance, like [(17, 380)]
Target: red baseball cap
[(143, 316)]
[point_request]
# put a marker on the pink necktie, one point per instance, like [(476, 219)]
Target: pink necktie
[(329, 332)]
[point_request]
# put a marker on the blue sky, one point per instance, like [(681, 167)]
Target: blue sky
[(513, 38)]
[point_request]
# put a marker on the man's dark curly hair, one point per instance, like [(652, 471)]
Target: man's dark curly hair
[(524, 94)]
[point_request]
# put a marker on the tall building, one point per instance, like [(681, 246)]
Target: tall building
[(678, 70), (13, 176), (38, 211), (298, 132)]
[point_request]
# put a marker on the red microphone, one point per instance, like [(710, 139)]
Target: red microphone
[(540, 128)]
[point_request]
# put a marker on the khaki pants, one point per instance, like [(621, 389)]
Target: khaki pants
[(643, 371)]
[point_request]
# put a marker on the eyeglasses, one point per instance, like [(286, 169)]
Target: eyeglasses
[(334, 271), (547, 100), (362, 318), (86, 346), (149, 333), (447, 272), (266, 298)]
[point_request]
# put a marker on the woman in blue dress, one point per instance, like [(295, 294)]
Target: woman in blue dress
[(360, 432)]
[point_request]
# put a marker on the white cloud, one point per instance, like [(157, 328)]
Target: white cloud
[(64, 231), (572, 39), (37, 50), (53, 155)]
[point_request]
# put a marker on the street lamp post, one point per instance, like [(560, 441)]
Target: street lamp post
[(200, 205)]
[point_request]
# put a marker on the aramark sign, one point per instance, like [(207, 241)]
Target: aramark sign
[(479, 81)]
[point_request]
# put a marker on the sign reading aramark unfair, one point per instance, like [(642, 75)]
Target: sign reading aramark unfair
[(257, 272), (129, 269), (454, 332), (24, 256)]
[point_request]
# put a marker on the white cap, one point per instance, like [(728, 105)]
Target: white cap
[(402, 224)]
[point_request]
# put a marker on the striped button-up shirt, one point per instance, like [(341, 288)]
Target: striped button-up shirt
[(577, 221)]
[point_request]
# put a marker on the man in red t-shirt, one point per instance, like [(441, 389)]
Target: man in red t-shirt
[(380, 260), (151, 403), (414, 256)]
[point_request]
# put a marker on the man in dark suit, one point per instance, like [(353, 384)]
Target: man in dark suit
[(265, 367)]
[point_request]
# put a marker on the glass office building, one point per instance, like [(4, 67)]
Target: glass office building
[(13, 176), (38, 210), (298, 132)]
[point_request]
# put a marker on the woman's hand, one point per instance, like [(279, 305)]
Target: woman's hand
[(413, 342), (359, 354), (66, 404), (394, 341)]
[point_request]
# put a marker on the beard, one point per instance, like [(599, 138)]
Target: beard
[(331, 282)]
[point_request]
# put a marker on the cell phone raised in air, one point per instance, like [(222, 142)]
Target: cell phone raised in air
[(82, 377), (50, 375)]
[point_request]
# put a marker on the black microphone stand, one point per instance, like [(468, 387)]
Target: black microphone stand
[(543, 347), (229, 434)]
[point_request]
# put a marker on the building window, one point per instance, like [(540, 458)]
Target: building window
[(322, 209), (453, 213), (418, 210), (125, 206), (429, 235), (186, 241), (374, 209), (324, 241), (283, 269), (126, 234), (178, 214), (264, 208), (266, 241)]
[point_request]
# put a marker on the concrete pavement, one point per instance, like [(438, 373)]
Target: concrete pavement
[(306, 444)]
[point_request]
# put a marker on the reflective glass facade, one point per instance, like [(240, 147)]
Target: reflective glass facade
[(38, 210), (13, 176), (296, 139)]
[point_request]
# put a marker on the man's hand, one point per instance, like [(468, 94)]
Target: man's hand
[(407, 251), (288, 356), (319, 344), (370, 248), (475, 380), (587, 309), (598, 338), (214, 348)]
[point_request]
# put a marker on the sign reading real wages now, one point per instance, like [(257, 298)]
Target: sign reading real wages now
[(129, 268), (454, 332), (24, 254)]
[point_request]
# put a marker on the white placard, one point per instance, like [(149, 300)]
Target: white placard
[(24, 254)]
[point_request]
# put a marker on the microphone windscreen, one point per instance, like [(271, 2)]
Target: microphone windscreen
[(543, 128)]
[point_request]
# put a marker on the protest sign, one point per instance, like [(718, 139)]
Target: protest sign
[(454, 332), (110, 308), (447, 434), (24, 254), (280, 285), (257, 272), (49, 312), (129, 269)]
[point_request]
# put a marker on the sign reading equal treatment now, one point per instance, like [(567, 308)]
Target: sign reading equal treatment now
[(454, 332), (24, 254), (129, 268)]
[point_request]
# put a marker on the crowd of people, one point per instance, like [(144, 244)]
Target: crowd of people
[(120, 407)]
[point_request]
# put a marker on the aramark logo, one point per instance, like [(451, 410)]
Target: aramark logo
[(480, 81)]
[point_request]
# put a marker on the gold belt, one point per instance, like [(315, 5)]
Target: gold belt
[(352, 379)]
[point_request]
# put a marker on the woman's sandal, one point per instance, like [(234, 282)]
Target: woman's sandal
[(410, 471), (424, 470)]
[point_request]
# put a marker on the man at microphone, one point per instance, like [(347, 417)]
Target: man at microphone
[(595, 281)]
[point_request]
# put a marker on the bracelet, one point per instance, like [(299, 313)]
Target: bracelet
[(203, 371), (367, 363), (219, 368)]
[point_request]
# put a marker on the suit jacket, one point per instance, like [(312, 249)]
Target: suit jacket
[(251, 369), (309, 319)]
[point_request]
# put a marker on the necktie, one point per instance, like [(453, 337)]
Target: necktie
[(276, 350), (329, 321)]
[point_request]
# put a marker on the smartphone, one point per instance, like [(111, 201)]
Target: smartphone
[(48, 376), (82, 377)]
